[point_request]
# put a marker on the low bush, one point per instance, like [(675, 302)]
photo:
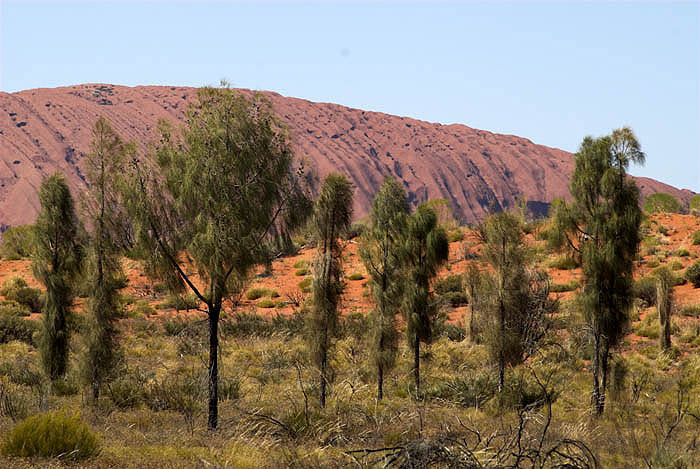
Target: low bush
[(126, 392), (12, 308), (692, 274), (645, 290), (301, 272), (305, 285), (142, 308), (521, 393), (247, 324), (564, 287), (455, 236), (301, 264), (17, 242), (653, 263), (564, 263), (473, 391), (661, 202), (355, 230), (17, 328), (675, 265), (180, 302), (682, 252), (260, 292), (356, 276), (695, 205), (695, 238), (266, 303), (52, 435), (16, 289), (690, 311)]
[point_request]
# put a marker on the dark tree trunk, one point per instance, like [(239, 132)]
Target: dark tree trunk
[(501, 355), (595, 398), (666, 335), (324, 359), (213, 419), (416, 364), (604, 359), (380, 383)]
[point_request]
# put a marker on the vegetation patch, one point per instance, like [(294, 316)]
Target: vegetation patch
[(261, 292), (52, 435)]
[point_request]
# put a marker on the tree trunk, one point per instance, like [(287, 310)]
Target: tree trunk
[(595, 398), (502, 338), (324, 359), (380, 383), (213, 419), (472, 330), (416, 364), (95, 389), (604, 359)]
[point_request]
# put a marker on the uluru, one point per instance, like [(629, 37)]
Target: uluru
[(49, 129)]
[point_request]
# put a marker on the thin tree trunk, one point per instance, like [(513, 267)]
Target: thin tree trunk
[(596, 373), (416, 364), (667, 334), (604, 359), (501, 355), (213, 418), (380, 383), (323, 378)]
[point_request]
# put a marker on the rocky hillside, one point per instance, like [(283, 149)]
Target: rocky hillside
[(48, 130)]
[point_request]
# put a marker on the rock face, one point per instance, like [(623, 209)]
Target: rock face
[(47, 130)]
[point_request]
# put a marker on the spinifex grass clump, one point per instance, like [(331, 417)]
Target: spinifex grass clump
[(53, 435)]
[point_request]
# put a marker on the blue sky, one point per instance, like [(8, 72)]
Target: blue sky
[(552, 72)]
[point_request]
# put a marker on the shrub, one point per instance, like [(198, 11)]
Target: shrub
[(305, 285), (126, 392), (452, 331), (16, 289), (12, 308), (229, 389), (17, 328), (521, 393), (246, 324), (301, 264), (662, 229), (682, 252), (455, 236), (645, 290), (259, 292), (301, 272), (17, 242), (356, 276), (470, 392), (355, 230), (266, 303), (692, 274), (653, 263), (675, 265), (662, 203), (695, 238), (564, 287), (695, 204), (690, 310), (451, 283), (180, 302), (174, 326), (51, 435), (564, 263), (142, 308)]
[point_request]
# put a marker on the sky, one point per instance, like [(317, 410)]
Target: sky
[(552, 72)]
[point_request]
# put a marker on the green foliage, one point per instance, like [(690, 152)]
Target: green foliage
[(57, 262), (266, 303), (695, 238), (451, 290), (17, 243), (13, 327), (223, 190), (661, 202), (690, 311), (692, 274), (564, 287), (16, 289), (472, 391), (51, 435), (104, 167), (180, 302), (332, 215), (355, 276), (695, 204), (301, 272), (142, 308), (455, 236), (682, 252), (380, 251), (425, 250), (675, 265), (645, 289), (260, 292), (305, 285), (606, 209), (301, 264), (565, 262)]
